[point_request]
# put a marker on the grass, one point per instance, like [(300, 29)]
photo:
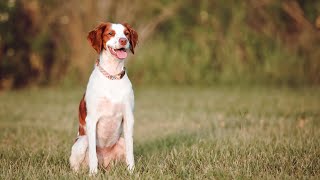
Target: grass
[(180, 133)]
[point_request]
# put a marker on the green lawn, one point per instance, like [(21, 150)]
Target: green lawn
[(180, 133)]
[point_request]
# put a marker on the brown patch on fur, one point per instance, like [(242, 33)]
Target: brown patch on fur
[(132, 35), (107, 34), (82, 116), (98, 37)]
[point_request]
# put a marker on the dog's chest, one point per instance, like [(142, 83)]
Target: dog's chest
[(109, 122), (109, 109), (114, 90), (106, 98)]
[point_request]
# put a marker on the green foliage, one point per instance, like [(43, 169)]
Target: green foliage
[(29, 50), (14, 45), (226, 42)]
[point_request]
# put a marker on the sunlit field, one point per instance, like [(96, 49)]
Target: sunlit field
[(180, 133)]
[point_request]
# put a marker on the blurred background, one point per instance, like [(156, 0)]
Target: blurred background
[(184, 42)]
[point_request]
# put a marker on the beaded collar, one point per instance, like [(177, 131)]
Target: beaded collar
[(109, 76)]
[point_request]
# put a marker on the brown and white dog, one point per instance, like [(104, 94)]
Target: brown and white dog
[(106, 109)]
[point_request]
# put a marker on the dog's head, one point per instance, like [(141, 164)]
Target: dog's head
[(114, 38)]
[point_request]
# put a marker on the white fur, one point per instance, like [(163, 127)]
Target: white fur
[(120, 94), (114, 42), (78, 152)]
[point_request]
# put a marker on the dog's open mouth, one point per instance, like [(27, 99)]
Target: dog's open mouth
[(119, 53)]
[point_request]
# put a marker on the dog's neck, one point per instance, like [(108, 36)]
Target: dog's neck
[(110, 63)]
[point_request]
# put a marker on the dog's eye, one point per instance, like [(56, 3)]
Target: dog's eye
[(126, 33), (110, 33)]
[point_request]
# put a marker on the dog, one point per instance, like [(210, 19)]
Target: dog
[(106, 108)]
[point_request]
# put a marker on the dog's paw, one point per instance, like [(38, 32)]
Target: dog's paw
[(74, 165), (75, 169), (130, 168), (93, 166), (93, 171)]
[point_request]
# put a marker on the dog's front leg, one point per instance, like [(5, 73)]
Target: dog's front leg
[(128, 135), (91, 123)]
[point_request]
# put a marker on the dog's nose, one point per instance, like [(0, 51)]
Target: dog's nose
[(123, 41)]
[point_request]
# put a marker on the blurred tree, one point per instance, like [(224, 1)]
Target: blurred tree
[(15, 30), (29, 44), (184, 41)]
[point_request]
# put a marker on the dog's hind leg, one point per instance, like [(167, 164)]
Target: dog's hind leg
[(110, 154), (78, 152)]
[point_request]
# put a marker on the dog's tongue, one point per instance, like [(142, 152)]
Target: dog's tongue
[(121, 54)]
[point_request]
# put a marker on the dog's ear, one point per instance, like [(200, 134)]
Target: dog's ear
[(133, 37), (95, 37)]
